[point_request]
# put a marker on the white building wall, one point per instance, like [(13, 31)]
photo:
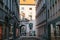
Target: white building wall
[(27, 13)]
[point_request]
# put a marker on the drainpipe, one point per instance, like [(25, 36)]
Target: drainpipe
[(46, 21), (48, 36), (7, 22)]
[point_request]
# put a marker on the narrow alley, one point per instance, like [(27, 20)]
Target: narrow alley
[(29, 19)]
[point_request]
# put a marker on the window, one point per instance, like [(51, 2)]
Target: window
[(34, 0), (22, 8), (55, 1), (24, 0), (30, 17), (48, 13), (30, 8)]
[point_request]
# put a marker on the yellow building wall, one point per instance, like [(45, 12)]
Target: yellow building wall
[(27, 2)]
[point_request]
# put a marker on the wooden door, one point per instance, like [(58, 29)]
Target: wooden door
[(0, 32)]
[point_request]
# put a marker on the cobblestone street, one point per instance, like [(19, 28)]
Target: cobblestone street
[(27, 38), (29, 19)]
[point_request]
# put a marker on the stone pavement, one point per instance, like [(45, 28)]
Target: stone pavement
[(18, 39), (28, 38)]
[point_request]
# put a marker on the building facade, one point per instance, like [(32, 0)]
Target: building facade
[(27, 11), (9, 19), (24, 24), (48, 19)]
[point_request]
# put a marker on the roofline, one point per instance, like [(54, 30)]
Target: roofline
[(27, 4)]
